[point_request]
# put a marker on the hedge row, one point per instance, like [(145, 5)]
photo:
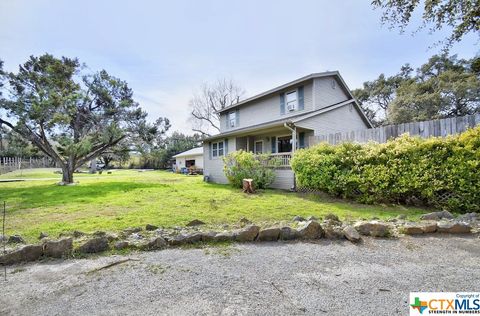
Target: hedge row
[(442, 172)]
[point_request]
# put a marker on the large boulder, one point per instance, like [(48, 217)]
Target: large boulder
[(208, 236), (311, 230), (435, 216), (249, 233), (94, 245), (351, 234), (224, 236), (298, 218), (25, 254), (58, 248), (288, 233), (156, 243), (454, 228), (468, 217), (122, 244), (332, 217), (333, 232), (185, 239), (268, 234), (373, 228), (418, 228)]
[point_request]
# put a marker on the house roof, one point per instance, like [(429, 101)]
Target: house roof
[(192, 152), (280, 122), (285, 86)]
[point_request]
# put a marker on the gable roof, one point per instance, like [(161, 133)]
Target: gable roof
[(192, 152), (287, 85)]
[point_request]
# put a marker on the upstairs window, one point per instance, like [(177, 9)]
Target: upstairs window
[(232, 119), (291, 101)]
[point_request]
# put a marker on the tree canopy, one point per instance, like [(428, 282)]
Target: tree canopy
[(70, 116), (461, 16), (442, 87)]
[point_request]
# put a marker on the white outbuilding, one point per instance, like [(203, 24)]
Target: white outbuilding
[(189, 158)]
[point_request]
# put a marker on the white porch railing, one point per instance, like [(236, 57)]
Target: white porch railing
[(283, 159)]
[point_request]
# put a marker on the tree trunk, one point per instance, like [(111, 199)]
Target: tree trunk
[(67, 174)]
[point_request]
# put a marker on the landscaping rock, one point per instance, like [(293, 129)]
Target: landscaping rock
[(287, 233), (58, 248), (244, 221), (25, 254), (120, 245), (185, 239), (94, 245), (150, 227), (373, 228), (268, 234), (435, 216), (468, 217), (15, 239), (225, 236), (332, 217), (333, 232), (351, 234), (418, 228), (156, 243), (42, 235), (311, 230), (312, 218), (195, 222), (78, 234), (298, 219), (111, 237), (99, 233), (246, 234), (208, 236), (454, 228), (132, 230)]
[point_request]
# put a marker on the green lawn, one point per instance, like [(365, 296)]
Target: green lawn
[(130, 198)]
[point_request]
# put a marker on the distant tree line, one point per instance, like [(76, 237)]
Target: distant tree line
[(443, 87)]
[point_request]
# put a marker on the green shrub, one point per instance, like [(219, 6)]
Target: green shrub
[(241, 165), (443, 172)]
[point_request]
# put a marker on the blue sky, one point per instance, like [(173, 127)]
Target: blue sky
[(166, 49)]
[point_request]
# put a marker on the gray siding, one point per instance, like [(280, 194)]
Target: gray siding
[(345, 118), (267, 109), (325, 94), (214, 167)]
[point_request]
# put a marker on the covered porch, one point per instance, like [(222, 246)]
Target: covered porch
[(279, 142)]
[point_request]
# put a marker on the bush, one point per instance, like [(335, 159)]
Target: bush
[(241, 165), (442, 172)]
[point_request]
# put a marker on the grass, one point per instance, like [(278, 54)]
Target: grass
[(129, 198)]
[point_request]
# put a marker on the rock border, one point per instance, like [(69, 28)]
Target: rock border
[(154, 238)]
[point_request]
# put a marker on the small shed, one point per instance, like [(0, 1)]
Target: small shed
[(190, 158)]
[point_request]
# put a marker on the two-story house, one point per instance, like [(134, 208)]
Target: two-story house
[(281, 120)]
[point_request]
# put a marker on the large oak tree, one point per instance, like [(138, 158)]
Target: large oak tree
[(70, 116)]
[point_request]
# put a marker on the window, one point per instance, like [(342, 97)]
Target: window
[(259, 147), (220, 149), (217, 149), (292, 100), (232, 119)]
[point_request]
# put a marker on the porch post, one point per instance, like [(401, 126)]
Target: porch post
[(294, 139)]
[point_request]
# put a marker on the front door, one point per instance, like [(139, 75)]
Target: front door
[(259, 147), (284, 144)]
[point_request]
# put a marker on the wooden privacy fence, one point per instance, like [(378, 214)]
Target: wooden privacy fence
[(425, 129), (8, 164)]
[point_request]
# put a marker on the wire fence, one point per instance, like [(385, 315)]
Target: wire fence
[(9, 164)]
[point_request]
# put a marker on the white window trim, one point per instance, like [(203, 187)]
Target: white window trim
[(218, 149), (230, 119), (255, 146), (296, 101)]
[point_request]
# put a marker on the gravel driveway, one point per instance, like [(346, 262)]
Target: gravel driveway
[(330, 278)]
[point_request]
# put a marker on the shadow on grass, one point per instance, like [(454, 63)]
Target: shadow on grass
[(54, 195)]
